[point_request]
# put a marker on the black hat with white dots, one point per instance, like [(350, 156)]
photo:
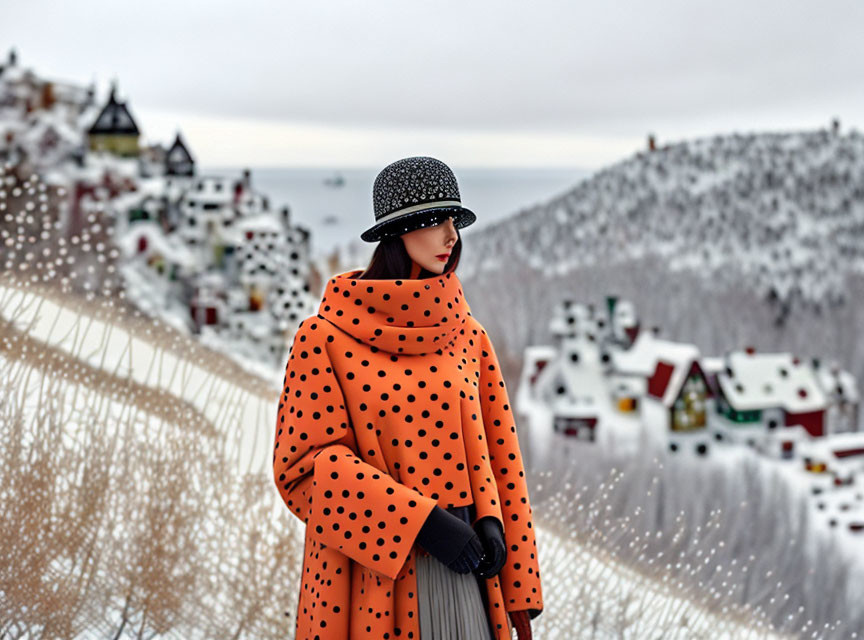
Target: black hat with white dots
[(412, 193)]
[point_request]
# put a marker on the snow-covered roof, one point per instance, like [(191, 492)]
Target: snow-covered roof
[(847, 444), (712, 364), (586, 391), (846, 447), (639, 359), (114, 118), (263, 222), (587, 394), (232, 236), (765, 380), (837, 381), (674, 361), (43, 121), (218, 189), (178, 152)]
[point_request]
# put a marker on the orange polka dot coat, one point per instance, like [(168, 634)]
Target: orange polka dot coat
[(394, 402)]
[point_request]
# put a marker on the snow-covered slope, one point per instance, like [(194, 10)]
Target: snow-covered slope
[(100, 384)]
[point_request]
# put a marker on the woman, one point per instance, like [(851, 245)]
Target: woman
[(396, 444)]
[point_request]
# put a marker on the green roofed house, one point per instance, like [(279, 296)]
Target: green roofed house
[(115, 130), (773, 401)]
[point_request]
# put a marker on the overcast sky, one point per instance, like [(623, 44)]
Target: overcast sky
[(497, 83)]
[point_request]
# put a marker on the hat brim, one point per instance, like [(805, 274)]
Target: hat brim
[(462, 217)]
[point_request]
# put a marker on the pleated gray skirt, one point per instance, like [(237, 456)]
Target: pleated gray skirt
[(450, 604)]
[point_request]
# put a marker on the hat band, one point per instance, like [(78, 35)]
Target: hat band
[(419, 207)]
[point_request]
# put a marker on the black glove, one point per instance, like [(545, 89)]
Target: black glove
[(451, 540), (492, 536)]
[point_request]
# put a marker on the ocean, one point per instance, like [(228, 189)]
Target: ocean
[(336, 216)]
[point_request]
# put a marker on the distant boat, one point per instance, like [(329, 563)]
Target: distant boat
[(330, 220), (335, 181)]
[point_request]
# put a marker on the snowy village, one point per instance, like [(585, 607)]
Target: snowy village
[(167, 435), (207, 254), (609, 382)]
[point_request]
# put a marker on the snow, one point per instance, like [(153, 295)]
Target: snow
[(195, 224), (169, 247), (261, 223), (143, 358), (733, 209), (564, 383), (639, 359), (773, 212), (246, 422), (679, 354), (758, 381)]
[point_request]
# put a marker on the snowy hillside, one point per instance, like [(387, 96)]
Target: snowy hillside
[(781, 213), (233, 563)]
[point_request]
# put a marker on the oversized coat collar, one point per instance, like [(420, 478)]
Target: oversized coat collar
[(406, 316)]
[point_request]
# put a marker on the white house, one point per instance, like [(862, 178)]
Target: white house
[(771, 399), (678, 400), (841, 393)]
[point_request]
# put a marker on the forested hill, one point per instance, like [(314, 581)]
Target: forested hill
[(779, 213)]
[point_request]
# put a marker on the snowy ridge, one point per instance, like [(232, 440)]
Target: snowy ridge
[(783, 212)]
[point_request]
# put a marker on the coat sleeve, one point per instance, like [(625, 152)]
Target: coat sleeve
[(520, 575), (346, 503)]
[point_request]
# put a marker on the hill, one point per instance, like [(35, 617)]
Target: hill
[(781, 214)]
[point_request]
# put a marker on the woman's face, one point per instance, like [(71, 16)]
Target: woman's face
[(430, 247)]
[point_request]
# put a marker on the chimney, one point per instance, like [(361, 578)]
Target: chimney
[(611, 301)]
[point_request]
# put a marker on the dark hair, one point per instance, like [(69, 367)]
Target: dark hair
[(390, 261)]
